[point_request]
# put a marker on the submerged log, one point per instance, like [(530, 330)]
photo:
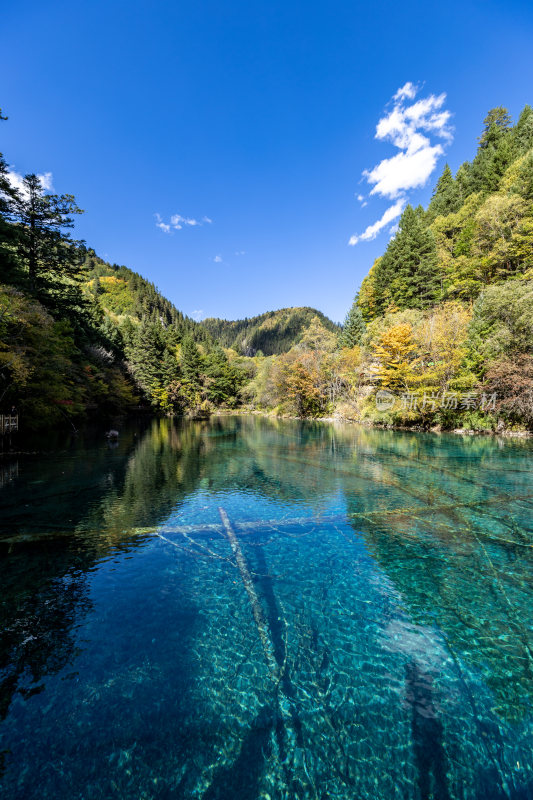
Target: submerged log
[(257, 611)]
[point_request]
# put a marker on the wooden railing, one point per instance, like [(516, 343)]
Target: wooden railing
[(8, 423)]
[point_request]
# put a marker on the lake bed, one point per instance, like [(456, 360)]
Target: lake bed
[(254, 608)]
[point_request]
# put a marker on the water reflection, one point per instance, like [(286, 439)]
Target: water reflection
[(394, 575)]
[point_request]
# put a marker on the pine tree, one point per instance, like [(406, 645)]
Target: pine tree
[(446, 198), (8, 262), (354, 327), (463, 179), (383, 278), (495, 151), (145, 354), (523, 132), (191, 371), (417, 283), (408, 275), (223, 380), (191, 361), (498, 121), (52, 260), (7, 193)]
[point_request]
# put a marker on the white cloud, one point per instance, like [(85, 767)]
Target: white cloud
[(372, 231), (412, 128), (177, 222), (16, 180), (46, 181), (408, 90), (394, 176), (218, 259), (406, 126), (240, 252), (198, 314), (163, 226)]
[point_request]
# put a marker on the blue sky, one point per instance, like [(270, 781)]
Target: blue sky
[(257, 121)]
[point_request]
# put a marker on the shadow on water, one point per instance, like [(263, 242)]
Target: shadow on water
[(277, 630), (241, 780), (427, 732)]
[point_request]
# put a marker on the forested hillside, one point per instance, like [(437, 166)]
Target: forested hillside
[(477, 230), (79, 336), (444, 320), (267, 334)]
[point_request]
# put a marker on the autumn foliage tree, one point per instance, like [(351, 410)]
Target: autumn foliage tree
[(511, 381), (441, 341), (301, 383), (395, 354)]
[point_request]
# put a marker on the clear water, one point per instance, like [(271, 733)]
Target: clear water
[(360, 626)]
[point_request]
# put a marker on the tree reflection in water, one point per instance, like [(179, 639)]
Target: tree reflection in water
[(446, 521)]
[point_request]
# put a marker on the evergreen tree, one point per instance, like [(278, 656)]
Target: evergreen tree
[(354, 327), (145, 354), (191, 362), (191, 371), (170, 370), (497, 121), (495, 151), (408, 275), (523, 132), (446, 198), (223, 380), (8, 262), (384, 277), (111, 334), (52, 261), (97, 286), (463, 179), (7, 193), (417, 283)]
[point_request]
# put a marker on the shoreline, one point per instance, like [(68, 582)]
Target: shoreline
[(510, 434), (504, 433)]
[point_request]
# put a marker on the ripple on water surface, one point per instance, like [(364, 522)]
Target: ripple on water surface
[(255, 609)]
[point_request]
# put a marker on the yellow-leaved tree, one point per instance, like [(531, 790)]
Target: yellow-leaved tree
[(441, 338), (395, 352)]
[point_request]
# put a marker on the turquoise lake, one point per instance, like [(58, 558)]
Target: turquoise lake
[(257, 609)]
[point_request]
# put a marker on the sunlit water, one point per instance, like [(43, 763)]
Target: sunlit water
[(247, 608)]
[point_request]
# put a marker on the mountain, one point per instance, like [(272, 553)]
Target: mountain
[(124, 294), (268, 334)]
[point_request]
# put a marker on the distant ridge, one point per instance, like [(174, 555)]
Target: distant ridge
[(270, 333)]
